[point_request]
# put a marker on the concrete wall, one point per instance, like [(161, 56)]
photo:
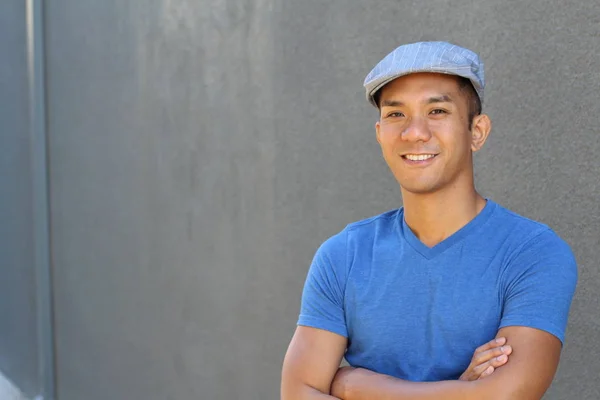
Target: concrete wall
[(18, 313), (201, 151)]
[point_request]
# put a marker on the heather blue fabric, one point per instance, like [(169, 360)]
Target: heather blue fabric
[(438, 57), (418, 313)]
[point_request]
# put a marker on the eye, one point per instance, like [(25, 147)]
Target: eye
[(438, 111), (395, 114)]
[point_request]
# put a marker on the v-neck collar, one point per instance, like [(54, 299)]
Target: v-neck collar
[(431, 252)]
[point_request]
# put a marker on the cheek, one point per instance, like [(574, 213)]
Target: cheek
[(388, 147), (389, 135), (454, 138)]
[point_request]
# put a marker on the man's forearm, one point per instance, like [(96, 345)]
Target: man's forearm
[(305, 392), (367, 385), (384, 387)]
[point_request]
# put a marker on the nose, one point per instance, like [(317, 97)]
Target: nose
[(416, 130)]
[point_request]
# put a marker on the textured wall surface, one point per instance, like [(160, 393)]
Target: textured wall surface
[(18, 340), (201, 151)]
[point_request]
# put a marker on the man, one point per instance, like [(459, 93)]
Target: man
[(407, 296)]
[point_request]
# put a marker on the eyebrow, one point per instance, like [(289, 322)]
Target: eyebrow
[(443, 98), (391, 103)]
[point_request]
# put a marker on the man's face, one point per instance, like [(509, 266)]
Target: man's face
[(424, 132)]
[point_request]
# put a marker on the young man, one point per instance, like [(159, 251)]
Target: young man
[(407, 296)]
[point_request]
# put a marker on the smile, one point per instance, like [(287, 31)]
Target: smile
[(418, 157)]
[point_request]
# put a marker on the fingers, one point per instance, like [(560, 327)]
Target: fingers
[(491, 344), (495, 362), (485, 356), (487, 372)]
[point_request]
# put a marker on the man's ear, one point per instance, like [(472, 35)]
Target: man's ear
[(377, 128), (480, 130)]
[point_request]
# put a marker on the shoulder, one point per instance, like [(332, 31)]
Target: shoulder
[(333, 259), (534, 245), (528, 233), (360, 233), (518, 225), (374, 226), (381, 219)]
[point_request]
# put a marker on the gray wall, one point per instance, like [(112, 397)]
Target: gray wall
[(18, 313), (201, 151)]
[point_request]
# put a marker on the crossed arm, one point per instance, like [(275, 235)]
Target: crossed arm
[(311, 371)]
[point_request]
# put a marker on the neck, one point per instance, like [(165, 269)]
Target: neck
[(434, 217)]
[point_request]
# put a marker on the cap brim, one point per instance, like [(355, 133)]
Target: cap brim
[(378, 84)]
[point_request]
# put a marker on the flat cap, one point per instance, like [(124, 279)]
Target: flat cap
[(438, 57)]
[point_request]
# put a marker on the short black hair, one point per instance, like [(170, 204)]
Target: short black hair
[(466, 86)]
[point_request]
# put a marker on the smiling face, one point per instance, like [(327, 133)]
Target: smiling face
[(424, 132)]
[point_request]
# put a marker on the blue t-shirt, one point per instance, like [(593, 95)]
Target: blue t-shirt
[(418, 313)]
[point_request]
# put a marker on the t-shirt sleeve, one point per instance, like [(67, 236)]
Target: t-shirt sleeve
[(540, 283), (323, 295)]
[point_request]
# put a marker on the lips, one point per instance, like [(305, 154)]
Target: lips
[(418, 157), (419, 160)]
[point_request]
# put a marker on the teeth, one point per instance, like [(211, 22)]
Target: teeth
[(419, 157)]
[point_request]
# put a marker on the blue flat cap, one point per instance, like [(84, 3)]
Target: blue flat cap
[(439, 57)]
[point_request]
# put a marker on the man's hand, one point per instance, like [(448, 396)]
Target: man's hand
[(486, 359), (345, 376)]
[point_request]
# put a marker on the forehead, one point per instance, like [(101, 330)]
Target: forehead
[(420, 84)]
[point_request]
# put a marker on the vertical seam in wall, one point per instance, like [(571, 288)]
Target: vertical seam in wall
[(40, 194)]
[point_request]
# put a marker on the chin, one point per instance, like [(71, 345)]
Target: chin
[(415, 188)]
